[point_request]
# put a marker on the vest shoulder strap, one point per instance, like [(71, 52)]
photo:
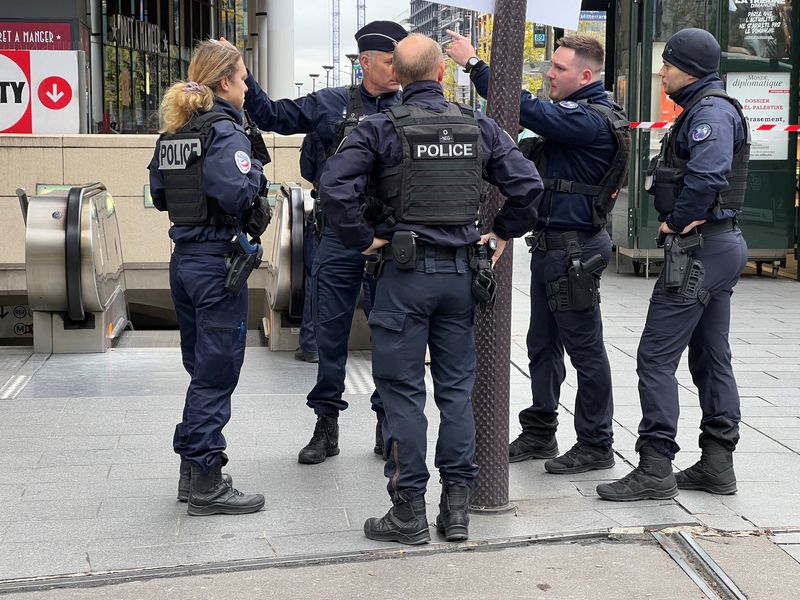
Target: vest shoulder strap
[(203, 121), (717, 93), (355, 105)]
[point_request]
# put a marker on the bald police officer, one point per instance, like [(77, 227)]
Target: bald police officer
[(699, 181), (424, 160)]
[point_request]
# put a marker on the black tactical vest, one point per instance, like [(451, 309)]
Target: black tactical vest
[(180, 160), (667, 170), (604, 194), (439, 180)]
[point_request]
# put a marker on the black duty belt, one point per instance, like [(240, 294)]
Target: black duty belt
[(715, 227), (439, 252), (550, 240), (215, 248)]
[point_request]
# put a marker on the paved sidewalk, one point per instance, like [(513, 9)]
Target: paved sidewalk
[(90, 477)]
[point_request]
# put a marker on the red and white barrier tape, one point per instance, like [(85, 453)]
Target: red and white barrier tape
[(667, 125)]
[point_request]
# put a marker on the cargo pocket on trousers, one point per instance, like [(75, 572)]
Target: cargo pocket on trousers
[(386, 327), (220, 345)]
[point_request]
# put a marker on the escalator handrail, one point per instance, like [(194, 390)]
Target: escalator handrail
[(72, 249), (297, 282)]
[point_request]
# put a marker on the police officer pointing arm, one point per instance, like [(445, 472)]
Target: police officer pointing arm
[(698, 180), (581, 153), (424, 161)]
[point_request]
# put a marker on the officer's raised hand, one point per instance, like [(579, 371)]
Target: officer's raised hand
[(460, 50), (376, 245), (501, 244)]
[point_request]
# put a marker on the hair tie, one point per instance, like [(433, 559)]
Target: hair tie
[(192, 86)]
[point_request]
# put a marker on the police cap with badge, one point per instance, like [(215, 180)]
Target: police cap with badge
[(382, 36)]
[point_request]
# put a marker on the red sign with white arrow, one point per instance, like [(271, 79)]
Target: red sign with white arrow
[(39, 92), (55, 92)]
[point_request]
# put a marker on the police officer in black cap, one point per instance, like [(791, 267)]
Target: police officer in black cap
[(424, 160), (337, 272), (582, 155), (699, 181)]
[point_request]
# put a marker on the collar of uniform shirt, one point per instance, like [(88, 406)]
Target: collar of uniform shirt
[(424, 90), (683, 95), (226, 107), (595, 91)]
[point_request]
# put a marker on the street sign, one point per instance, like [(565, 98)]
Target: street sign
[(39, 92), (539, 36)]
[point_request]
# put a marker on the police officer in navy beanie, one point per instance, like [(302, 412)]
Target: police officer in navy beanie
[(693, 51), (337, 272), (699, 183)]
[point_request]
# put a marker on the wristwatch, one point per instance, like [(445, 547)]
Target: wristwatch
[(471, 64)]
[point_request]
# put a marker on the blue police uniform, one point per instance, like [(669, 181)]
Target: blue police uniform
[(212, 321), (709, 136), (429, 305), (580, 147), (337, 272), (699, 175)]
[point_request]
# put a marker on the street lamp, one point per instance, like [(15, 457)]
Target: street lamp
[(313, 81), (353, 58), (328, 69), (299, 84)]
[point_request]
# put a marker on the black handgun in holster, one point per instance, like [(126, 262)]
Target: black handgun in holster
[(257, 146), (683, 274), (241, 264), (579, 288), (484, 284), (374, 264)]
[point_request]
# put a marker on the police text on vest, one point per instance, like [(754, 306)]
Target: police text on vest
[(174, 154)]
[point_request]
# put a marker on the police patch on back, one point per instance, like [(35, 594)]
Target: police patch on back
[(701, 132), (175, 154)]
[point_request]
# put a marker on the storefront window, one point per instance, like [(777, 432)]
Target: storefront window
[(761, 28)]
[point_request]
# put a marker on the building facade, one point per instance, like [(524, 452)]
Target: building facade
[(135, 48)]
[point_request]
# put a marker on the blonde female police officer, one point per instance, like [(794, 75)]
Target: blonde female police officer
[(203, 174)]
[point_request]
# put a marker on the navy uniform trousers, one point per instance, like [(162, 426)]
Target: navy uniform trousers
[(336, 276), (581, 334), (213, 327), (675, 322), (429, 306)]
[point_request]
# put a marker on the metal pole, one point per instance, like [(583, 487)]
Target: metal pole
[(299, 85), (327, 75), (490, 397), (353, 58), (313, 81)]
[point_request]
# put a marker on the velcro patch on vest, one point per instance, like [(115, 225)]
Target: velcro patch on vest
[(444, 151), (175, 154), (242, 161)]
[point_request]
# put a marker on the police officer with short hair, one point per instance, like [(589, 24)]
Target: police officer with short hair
[(582, 156), (699, 181), (424, 160), (337, 271), (204, 175)]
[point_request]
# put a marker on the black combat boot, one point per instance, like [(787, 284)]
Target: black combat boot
[(185, 479), (405, 522), (528, 446), (713, 473), (651, 480), (324, 442), (379, 446), (453, 520), (581, 458), (210, 495)]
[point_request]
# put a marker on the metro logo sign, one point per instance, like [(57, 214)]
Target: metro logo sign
[(38, 92)]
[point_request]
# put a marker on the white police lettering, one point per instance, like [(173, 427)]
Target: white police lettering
[(444, 150), (173, 154)]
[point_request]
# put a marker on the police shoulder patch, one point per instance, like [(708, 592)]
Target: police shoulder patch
[(701, 132), (242, 161), (568, 104)]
